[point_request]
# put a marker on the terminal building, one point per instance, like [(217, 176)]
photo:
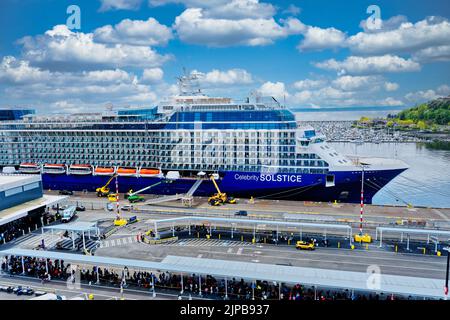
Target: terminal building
[(22, 204), (17, 189)]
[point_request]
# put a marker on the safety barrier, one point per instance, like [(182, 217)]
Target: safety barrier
[(159, 241)]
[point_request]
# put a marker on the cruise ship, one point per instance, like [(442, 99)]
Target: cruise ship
[(253, 148)]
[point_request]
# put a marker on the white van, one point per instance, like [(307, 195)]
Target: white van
[(68, 214)]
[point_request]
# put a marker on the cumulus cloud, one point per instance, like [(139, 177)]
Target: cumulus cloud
[(62, 48), (20, 72), (408, 37), (135, 32), (308, 84), (370, 65), (432, 54), (192, 26), (292, 10), (316, 38), (274, 89), (387, 24), (152, 75), (120, 5), (227, 77), (427, 95), (240, 9)]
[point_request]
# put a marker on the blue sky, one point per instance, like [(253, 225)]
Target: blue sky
[(310, 53)]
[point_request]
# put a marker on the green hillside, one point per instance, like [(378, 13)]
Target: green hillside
[(435, 112)]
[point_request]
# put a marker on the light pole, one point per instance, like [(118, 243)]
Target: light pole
[(447, 272)]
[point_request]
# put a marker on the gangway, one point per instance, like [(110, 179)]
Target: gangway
[(194, 188), (185, 197), (162, 199), (146, 188)]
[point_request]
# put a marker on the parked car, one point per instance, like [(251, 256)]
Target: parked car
[(241, 213), (110, 206), (126, 208), (66, 192), (81, 208), (6, 289)]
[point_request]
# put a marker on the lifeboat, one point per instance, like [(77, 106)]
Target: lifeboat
[(80, 169), (126, 171), (52, 168), (28, 167), (104, 171), (145, 172)]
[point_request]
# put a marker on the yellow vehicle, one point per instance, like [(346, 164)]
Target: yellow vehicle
[(220, 197), (362, 238), (120, 222), (303, 245), (104, 191), (112, 197)]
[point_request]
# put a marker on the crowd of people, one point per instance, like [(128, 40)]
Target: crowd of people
[(193, 285)]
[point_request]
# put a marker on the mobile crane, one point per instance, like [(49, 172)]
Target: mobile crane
[(220, 197), (104, 191)]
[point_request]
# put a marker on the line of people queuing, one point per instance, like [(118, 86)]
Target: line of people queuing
[(193, 285)]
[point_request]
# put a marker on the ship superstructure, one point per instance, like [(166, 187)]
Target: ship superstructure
[(255, 147)]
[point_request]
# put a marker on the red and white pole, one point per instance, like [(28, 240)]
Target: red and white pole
[(117, 197), (362, 203)]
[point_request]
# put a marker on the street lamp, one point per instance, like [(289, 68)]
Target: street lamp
[(447, 272)]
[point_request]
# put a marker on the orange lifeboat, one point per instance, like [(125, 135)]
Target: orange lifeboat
[(104, 171), (54, 168), (149, 172), (126, 171), (80, 169), (28, 167)]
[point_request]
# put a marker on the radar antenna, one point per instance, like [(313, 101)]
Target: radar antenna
[(188, 83)]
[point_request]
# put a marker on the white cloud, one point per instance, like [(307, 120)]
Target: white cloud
[(391, 86), (62, 48), (351, 83), (292, 10), (316, 38), (388, 24), (439, 53), (308, 84), (152, 75), (240, 9), (274, 89), (120, 5), (408, 37), (370, 65), (427, 95), (20, 72), (194, 27), (228, 77), (135, 32)]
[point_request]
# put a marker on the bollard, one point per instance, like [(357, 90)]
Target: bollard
[(242, 238), (208, 236), (396, 248), (438, 253), (339, 245), (289, 242), (219, 236), (424, 250), (352, 247), (198, 235), (367, 246)]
